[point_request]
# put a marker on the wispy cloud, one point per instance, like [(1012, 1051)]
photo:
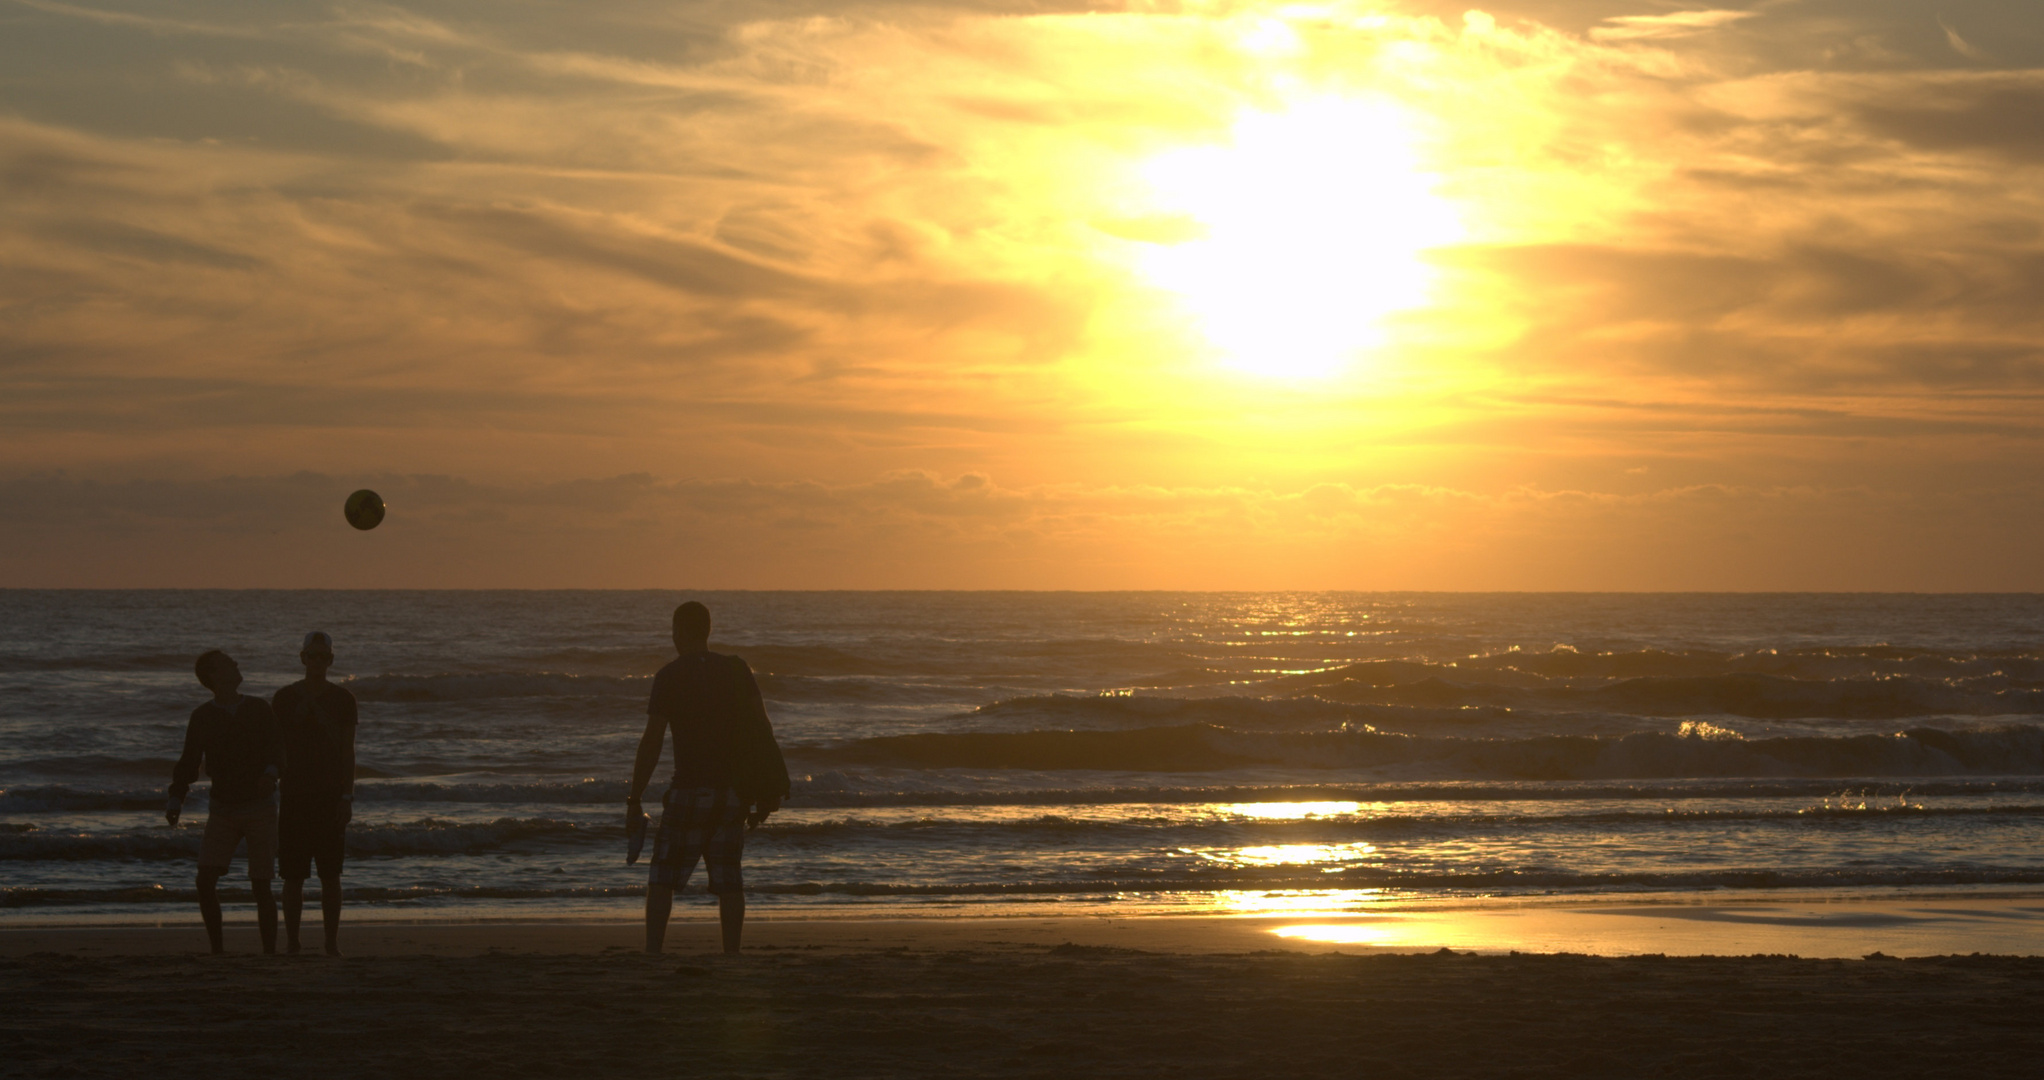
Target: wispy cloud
[(1672, 25), (1960, 45)]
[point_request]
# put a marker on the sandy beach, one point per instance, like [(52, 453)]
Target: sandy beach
[(1193, 996)]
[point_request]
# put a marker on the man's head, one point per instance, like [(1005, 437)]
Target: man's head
[(217, 671), (691, 627), (317, 654)]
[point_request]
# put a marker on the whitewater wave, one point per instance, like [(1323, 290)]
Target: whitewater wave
[(1187, 887), (480, 687), (1029, 658), (425, 837), (97, 765), (2007, 750), (1364, 824), (53, 799), (839, 790), (1435, 699), (57, 799), (177, 662), (1235, 711), (1822, 663), (1872, 683)]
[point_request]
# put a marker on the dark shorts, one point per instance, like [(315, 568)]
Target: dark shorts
[(309, 831), (706, 824)]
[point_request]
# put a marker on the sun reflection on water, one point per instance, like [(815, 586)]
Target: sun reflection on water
[(1292, 854), (1288, 811), (1294, 901), (1343, 933)]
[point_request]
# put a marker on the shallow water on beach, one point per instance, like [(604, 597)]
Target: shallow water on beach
[(957, 752)]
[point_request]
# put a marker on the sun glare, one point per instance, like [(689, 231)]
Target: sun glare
[(1300, 235)]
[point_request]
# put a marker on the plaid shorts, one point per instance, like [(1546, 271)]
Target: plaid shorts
[(699, 823)]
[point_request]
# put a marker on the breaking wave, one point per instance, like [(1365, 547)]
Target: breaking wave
[(426, 837), (1869, 683), (1436, 699), (2007, 750), (478, 687), (835, 789), (1217, 879)]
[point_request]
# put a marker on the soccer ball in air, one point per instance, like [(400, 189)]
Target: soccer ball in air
[(364, 509)]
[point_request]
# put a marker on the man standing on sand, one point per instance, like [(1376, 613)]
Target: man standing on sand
[(317, 722), (728, 774), (235, 739)]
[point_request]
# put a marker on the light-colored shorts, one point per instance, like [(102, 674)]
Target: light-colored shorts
[(228, 824)]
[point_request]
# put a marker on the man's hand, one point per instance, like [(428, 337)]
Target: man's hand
[(760, 810), (346, 811), (172, 809)]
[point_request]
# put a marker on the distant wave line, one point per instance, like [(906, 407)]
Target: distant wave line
[(2006, 750), (1505, 881)]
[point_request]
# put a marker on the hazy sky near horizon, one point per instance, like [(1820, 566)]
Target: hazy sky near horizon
[(1543, 294)]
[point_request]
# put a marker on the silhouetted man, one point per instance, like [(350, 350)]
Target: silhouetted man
[(316, 720), (728, 774), (235, 738)]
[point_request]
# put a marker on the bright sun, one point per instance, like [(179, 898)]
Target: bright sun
[(1304, 232)]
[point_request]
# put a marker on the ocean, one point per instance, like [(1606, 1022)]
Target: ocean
[(1074, 753)]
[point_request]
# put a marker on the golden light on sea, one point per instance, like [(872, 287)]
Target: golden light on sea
[(1288, 811), (1293, 901), (1296, 854), (1344, 933)]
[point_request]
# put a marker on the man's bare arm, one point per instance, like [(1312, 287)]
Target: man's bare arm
[(186, 770), (649, 756)]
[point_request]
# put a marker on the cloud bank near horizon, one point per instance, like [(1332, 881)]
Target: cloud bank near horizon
[(916, 530)]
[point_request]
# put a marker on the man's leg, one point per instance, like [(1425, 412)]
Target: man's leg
[(266, 913), (724, 853), (294, 910), (209, 905), (659, 905), (259, 824), (731, 917), (330, 910), (216, 854)]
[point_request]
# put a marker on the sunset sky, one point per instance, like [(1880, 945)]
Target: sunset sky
[(1545, 294)]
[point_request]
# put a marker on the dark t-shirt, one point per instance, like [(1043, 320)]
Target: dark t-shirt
[(317, 725), (234, 746), (722, 737)]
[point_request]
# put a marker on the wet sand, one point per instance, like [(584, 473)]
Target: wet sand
[(1065, 997), (1686, 924)]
